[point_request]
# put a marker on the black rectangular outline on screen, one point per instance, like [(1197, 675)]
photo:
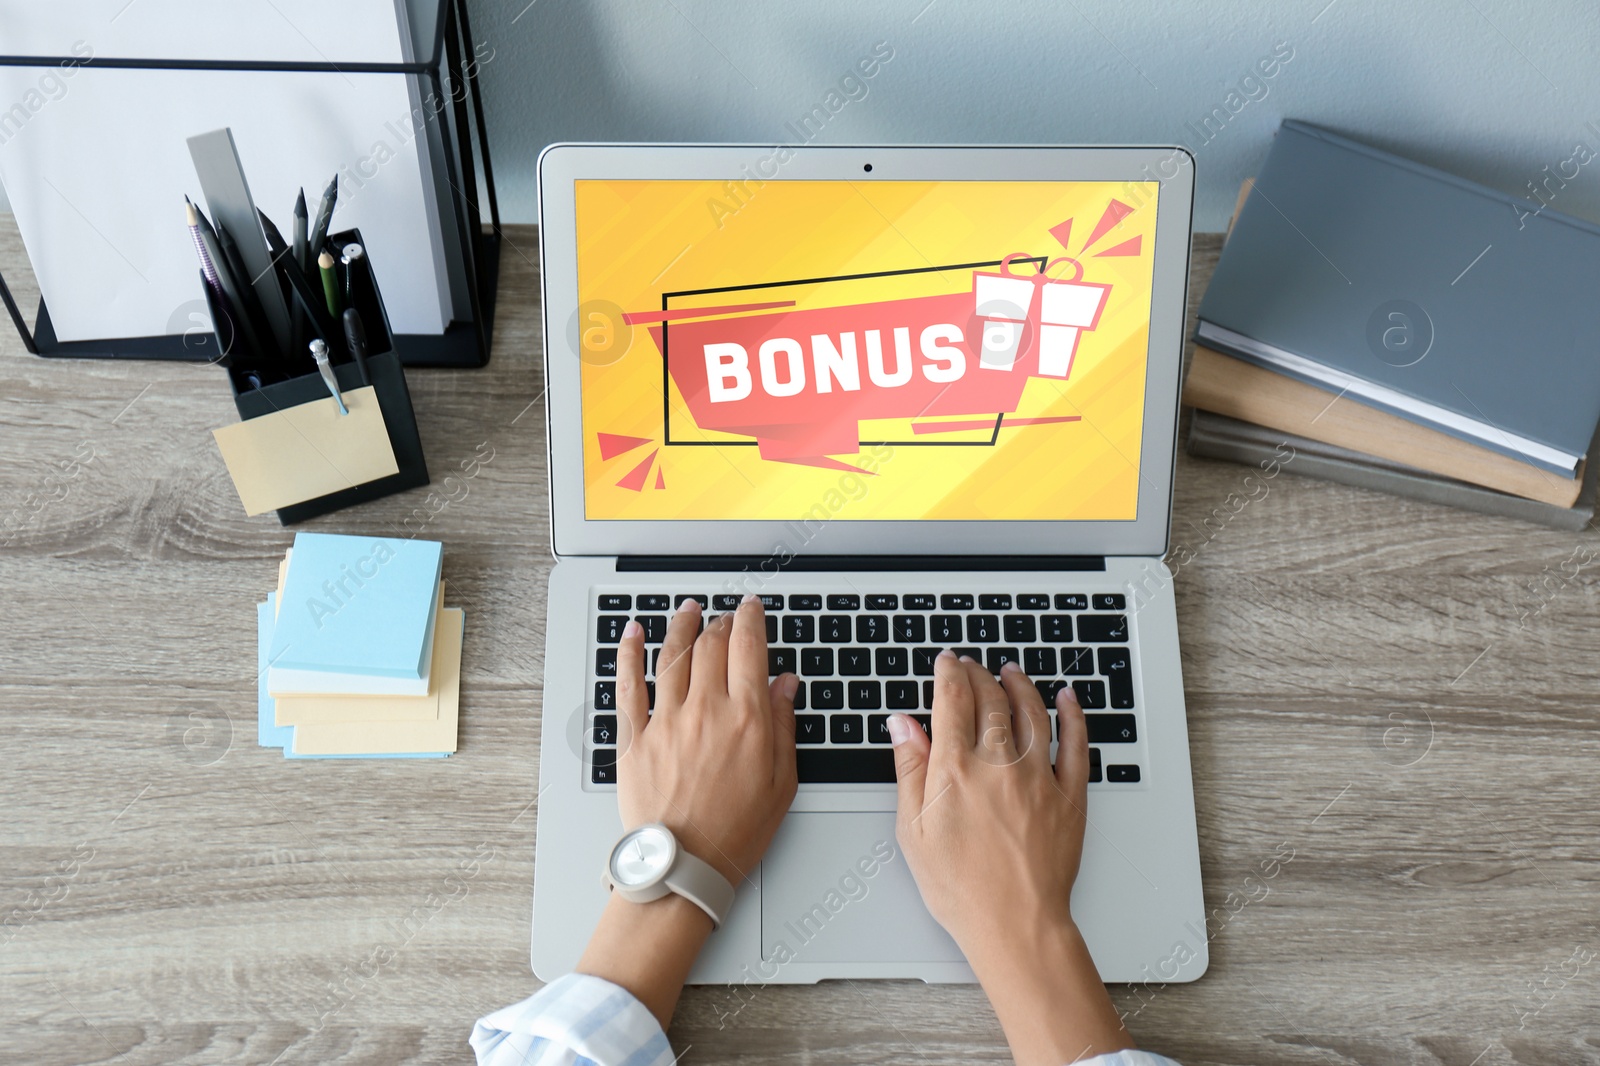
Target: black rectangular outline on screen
[(666, 382)]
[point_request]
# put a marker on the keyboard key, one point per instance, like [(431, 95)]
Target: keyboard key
[(998, 657), (872, 628), (910, 628), (1039, 662), (605, 695), (994, 601), (944, 628), (605, 662), (1077, 662), (865, 695), (852, 766), (810, 728), (655, 660), (927, 695), (955, 602), (724, 601), (800, 696), (1071, 601), (845, 728), (799, 629), (926, 722), (816, 662), (975, 654), (1117, 667), (605, 729), (883, 603), (891, 662), (650, 694), (827, 695), (698, 597), (844, 602), (1111, 728), (654, 602), (1033, 601), (1127, 775), (772, 628), (855, 662), (1048, 690), (1103, 628), (805, 603), (835, 628), (915, 602), (616, 601), (603, 766), (922, 661), (608, 628), (1091, 694), (1094, 766), (983, 628), (655, 626), (900, 695), (1110, 601), (780, 661), (771, 603), (1057, 628), (877, 729), (1019, 628)]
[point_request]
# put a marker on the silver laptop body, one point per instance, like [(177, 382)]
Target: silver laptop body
[(1088, 596)]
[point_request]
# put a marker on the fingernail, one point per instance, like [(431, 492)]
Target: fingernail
[(749, 597), (791, 685), (1070, 693), (899, 731), (632, 629), (687, 605), (1012, 666), (968, 659), (946, 654)]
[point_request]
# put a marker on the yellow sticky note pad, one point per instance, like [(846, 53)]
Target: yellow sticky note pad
[(307, 451), (391, 737)]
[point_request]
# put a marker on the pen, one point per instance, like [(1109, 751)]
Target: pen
[(319, 352), (330, 283), (302, 244), (319, 232), (360, 291), (355, 338)]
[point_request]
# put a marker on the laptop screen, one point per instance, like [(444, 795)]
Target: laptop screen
[(849, 351)]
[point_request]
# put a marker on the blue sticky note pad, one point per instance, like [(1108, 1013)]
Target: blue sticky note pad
[(358, 605), (268, 733)]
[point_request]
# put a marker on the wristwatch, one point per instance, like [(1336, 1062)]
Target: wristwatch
[(647, 864)]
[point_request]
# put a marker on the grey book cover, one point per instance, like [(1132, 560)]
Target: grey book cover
[(1417, 292), (1215, 436)]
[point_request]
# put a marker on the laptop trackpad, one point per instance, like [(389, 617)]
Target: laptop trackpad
[(835, 888)]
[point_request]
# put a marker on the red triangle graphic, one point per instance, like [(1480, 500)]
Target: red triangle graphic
[(635, 478), (1062, 232), (1115, 212), (1125, 248), (661, 479), (614, 444)]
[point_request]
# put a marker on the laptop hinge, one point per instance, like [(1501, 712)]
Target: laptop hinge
[(825, 563)]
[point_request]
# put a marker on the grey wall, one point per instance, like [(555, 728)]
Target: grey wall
[(1496, 90)]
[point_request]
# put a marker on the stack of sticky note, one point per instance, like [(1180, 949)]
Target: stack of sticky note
[(358, 656)]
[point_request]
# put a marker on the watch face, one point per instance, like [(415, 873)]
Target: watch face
[(641, 857)]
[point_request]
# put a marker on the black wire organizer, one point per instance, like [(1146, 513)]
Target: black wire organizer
[(457, 132)]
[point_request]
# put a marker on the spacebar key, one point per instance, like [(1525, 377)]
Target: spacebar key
[(845, 765)]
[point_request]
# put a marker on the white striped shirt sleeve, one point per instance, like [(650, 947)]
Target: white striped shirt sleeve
[(578, 1020)]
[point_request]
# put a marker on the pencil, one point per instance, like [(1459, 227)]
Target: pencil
[(330, 283)]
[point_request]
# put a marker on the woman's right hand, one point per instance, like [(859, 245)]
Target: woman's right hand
[(993, 834)]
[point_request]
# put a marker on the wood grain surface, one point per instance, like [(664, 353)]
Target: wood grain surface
[(1399, 695)]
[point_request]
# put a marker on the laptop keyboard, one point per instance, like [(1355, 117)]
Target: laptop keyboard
[(862, 657)]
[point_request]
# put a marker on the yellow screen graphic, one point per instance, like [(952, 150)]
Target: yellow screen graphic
[(798, 350)]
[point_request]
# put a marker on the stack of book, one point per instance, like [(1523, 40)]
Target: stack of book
[(358, 656), (1384, 324)]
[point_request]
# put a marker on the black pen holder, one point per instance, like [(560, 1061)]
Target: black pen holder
[(384, 372)]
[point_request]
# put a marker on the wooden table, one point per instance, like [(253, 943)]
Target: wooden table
[(1400, 696)]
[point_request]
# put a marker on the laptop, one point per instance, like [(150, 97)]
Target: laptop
[(914, 398)]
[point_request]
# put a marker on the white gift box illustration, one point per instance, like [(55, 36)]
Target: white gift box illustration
[(1059, 309)]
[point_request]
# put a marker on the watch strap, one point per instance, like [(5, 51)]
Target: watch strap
[(699, 882)]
